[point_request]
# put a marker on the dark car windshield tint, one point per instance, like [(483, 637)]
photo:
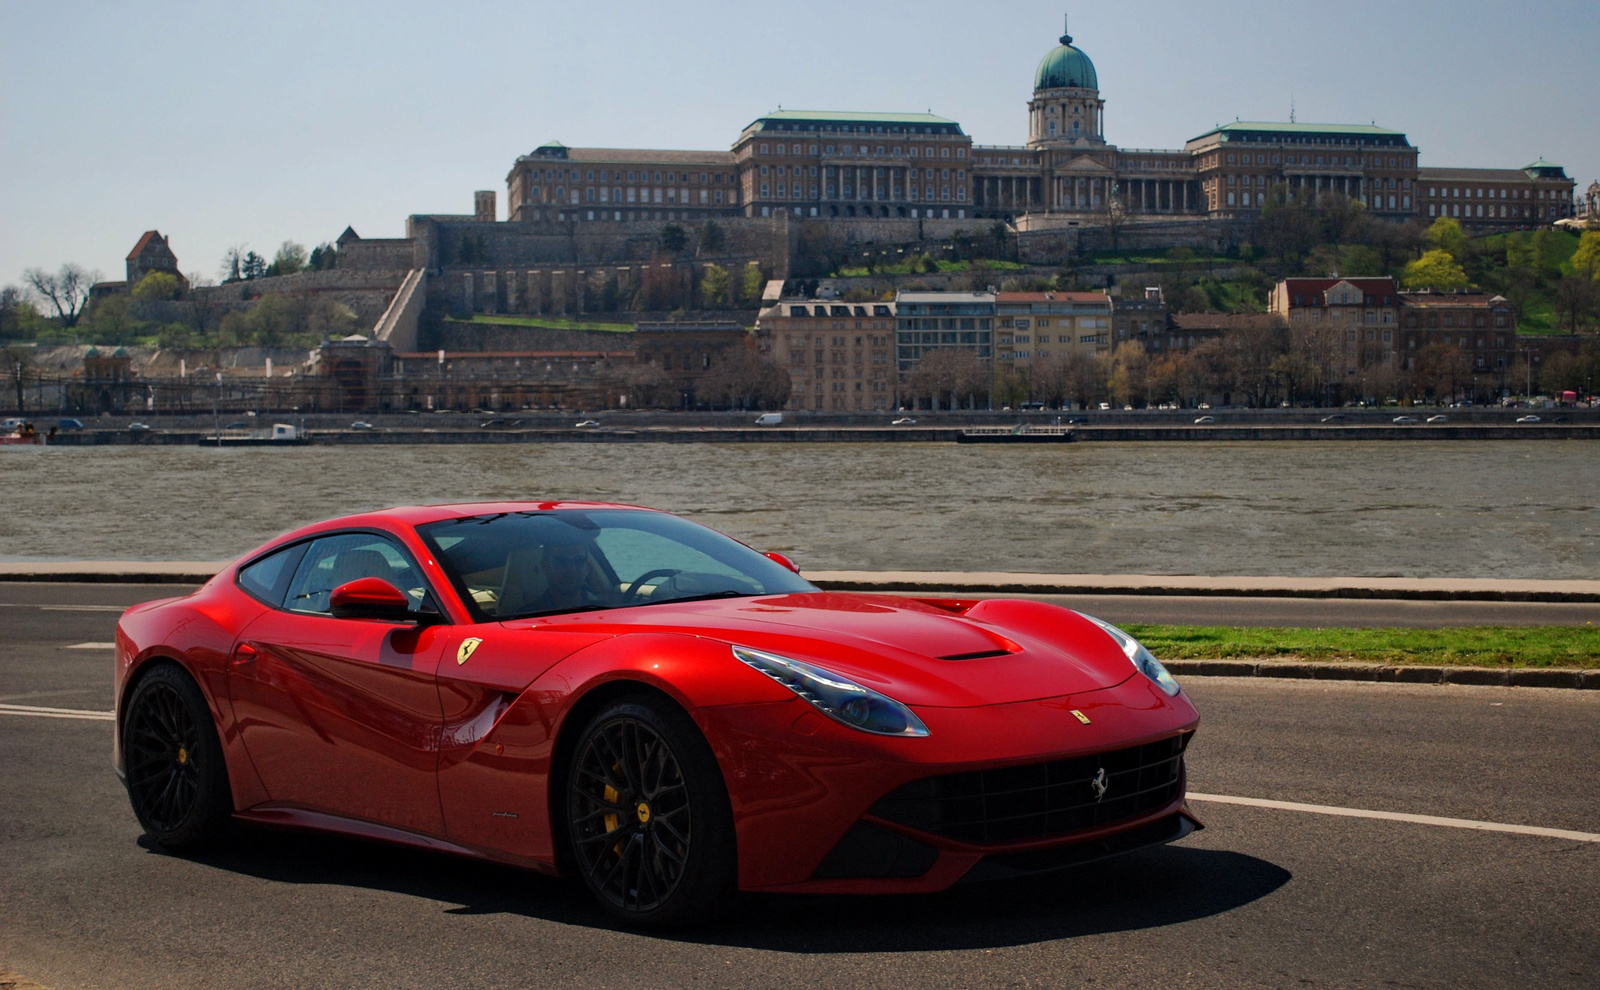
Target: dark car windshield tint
[(512, 565)]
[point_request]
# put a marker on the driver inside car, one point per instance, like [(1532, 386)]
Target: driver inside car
[(552, 577)]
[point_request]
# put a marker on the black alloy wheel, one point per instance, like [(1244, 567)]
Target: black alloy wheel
[(177, 780), (648, 820)]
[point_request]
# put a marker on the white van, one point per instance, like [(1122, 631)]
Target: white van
[(769, 419)]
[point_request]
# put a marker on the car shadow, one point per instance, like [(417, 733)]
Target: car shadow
[(1150, 889)]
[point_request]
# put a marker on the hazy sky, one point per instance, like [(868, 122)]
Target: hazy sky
[(226, 123)]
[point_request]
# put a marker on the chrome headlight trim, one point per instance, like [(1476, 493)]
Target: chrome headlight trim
[(1142, 659), (836, 696)]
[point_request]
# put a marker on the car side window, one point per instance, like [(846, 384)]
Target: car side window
[(336, 560), (268, 578)]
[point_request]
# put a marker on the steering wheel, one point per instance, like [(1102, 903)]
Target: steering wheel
[(632, 589)]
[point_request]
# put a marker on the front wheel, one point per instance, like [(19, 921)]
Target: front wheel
[(647, 816), (177, 780)]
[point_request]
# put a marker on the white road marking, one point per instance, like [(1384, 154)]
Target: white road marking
[(57, 713), (91, 646), (1397, 816), (67, 608)]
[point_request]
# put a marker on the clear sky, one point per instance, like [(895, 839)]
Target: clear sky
[(227, 123)]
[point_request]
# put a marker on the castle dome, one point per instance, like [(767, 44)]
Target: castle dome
[(1066, 67)]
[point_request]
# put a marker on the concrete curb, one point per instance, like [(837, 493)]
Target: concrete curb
[(1381, 673), (1185, 585)]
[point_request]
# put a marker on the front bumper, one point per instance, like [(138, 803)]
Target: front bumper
[(803, 789)]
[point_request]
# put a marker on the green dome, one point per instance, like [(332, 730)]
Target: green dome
[(1065, 67)]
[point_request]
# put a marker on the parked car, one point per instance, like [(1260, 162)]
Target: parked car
[(1335, 418), (1529, 419), (684, 689), (11, 424), (1405, 420), (237, 424), (584, 424), (361, 424), (138, 427), (904, 421), (1205, 421), (1438, 419), (1078, 421), (769, 419), (69, 424)]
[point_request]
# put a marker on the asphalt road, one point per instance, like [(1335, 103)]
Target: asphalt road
[(1261, 898)]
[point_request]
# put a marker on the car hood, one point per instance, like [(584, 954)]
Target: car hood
[(921, 652)]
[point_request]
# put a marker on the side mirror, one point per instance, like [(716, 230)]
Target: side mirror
[(370, 598), (779, 558)]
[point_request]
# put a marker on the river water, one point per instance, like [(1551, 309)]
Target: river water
[(1449, 509)]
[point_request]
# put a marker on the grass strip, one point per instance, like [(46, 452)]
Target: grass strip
[(1475, 646)]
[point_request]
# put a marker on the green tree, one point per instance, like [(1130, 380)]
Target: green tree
[(672, 239), (1436, 269), (155, 287), (752, 284), (712, 239), (1445, 234), (1586, 260), (324, 256), (111, 320), (716, 285), (291, 258), (175, 335)]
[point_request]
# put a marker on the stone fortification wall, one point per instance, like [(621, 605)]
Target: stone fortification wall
[(379, 254), (480, 337), (451, 242), (367, 293)]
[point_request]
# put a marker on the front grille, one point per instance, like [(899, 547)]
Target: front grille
[(1041, 799)]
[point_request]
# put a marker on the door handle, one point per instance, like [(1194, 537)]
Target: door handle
[(243, 653)]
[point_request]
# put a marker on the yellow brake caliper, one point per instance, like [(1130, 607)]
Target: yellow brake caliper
[(614, 821)]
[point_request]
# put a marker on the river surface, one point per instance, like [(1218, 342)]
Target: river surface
[(1509, 509)]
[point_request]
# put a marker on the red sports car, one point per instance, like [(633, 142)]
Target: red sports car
[(622, 694)]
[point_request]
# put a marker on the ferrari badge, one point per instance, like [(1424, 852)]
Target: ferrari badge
[(468, 647), (1080, 715)]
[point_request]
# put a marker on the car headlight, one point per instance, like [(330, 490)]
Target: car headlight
[(839, 698), (1142, 659)]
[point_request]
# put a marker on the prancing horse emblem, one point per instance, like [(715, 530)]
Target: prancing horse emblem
[(468, 647), (1100, 785)]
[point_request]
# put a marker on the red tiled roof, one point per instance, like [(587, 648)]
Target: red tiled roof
[(144, 241), (1302, 287)]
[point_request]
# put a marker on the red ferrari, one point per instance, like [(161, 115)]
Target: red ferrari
[(624, 695)]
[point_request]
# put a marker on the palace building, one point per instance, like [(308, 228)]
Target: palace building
[(840, 165)]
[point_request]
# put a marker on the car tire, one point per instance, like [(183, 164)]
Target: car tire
[(647, 817), (176, 775)]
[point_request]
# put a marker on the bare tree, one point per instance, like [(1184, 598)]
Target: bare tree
[(66, 290), (204, 304), (747, 380), (15, 363), (953, 372)]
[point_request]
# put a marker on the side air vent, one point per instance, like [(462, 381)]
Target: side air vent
[(980, 655)]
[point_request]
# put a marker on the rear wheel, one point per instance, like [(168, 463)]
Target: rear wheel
[(177, 780), (647, 816)]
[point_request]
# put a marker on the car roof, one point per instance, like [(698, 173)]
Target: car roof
[(420, 515)]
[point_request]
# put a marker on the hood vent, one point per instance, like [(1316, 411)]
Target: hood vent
[(980, 655)]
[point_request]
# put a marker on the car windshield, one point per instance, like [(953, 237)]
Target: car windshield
[(521, 564)]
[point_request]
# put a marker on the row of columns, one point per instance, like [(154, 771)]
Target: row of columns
[(1017, 193), (867, 185), (1083, 193)]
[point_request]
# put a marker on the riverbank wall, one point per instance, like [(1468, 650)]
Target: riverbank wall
[(845, 434)]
